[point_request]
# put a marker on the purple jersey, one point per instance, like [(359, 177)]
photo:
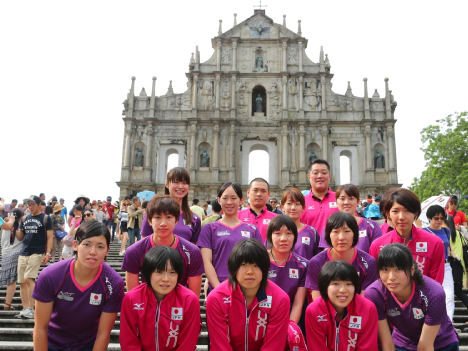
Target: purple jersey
[(193, 262), (77, 306), (363, 262), (369, 231), (221, 239), (188, 232), (426, 305), (291, 276), (307, 244)]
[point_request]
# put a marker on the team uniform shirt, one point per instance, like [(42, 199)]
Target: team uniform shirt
[(369, 231), (427, 251), (193, 262), (291, 276), (172, 324), (317, 211), (443, 235), (221, 239), (261, 221), (189, 232), (307, 244), (75, 316), (358, 330), (35, 235), (385, 228), (364, 263), (426, 305), (458, 217), (260, 326)]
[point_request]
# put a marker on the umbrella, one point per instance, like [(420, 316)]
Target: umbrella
[(146, 195), (305, 192), (441, 200)]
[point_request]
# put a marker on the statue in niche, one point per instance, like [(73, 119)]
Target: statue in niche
[(204, 159), (312, 156), (259, 63), (379, 160), (292, 56), (293, 94), (139, 158), (327, 63), (259, 104), (381, 132), (226, 56)]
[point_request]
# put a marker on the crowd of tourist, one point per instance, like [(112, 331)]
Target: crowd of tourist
[(320, 271)]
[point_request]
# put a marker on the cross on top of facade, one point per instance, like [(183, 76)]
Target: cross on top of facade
[(260, 6)]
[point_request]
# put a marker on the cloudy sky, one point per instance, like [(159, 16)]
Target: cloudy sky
[(66, 68)]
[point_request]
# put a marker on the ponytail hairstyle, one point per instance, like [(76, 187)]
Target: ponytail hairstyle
[(451, 226), (179, 174)]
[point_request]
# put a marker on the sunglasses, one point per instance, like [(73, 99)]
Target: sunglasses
[(436, 218), (88, 214), (100, 206)]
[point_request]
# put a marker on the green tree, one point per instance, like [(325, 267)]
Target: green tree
[(445, 147)]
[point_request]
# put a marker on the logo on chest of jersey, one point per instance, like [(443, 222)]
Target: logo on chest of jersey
[(138, 306), (362, 233), (332, 205), (421, 247), (311, 208), (95, 299), (223, 233), (272, 274), (293, 273), (176, 313), (418, 313), (393, 312), (65, 296), (355, 322), (306, 240), (245, 234), (109, 286), (267, 303), (246, 219), (266, 221), (322, 318), (227, 299)]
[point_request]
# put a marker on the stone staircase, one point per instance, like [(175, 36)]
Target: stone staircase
[(16, 334)]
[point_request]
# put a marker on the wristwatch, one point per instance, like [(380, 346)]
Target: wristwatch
[(48, 254)]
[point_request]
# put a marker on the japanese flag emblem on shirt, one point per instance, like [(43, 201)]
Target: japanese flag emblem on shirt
[(306, 240), (176, 314), (332, 205), (266, 221), (293, 273), (267, 303), (418, 313), (421, 247), (245, 234), (355, 322), (95, 299), (362, 233)]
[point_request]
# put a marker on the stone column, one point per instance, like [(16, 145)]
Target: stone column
[(301, 87), (195, 93), (153, 98), (218, 56), (284, 134), (324, 98), (149, 144), (128, 132), (366, 101), (302, 165), (215, 154), (131, 97), (217, 88), (388, 107), (193, 134), (324, 133), (285, 92), (300, 56), (233, 92), (284, 47), (234, 55), (232, 153), (369, 155), (391, 148)]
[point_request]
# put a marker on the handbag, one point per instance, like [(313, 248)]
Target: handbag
[(60, 234)]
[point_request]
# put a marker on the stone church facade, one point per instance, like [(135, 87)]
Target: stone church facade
[(258, 91)]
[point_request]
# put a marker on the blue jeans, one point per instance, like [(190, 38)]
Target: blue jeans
[(132, 233), (450, 347), (86, 348)]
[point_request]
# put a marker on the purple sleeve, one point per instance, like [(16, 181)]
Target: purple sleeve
[(313, 273), (205, 238), (146, 229), (373, 295), (258, 236), (376, 232), (436, 310), (371, 274), (195, 267), (302, 282), (132, 260), (323, 243), (44, 290), (196, 223), (116, 294), (317, 248)]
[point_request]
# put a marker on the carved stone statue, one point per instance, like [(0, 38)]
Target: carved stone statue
[(312, 156), (204, 159), (206, 95), (139, 158), (259, 63), (379, 160), (259, 104), (327, 63)]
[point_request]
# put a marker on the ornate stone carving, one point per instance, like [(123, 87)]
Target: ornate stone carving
[(273, 62), (226, 56), (292, 57), (327, 63), (259, 29), (311, 95), (275, 100), (292, 90), (226, 95), (245, 59), (206, 95), (186, 97), (242, 99)]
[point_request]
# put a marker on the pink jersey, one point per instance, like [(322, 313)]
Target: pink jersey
[(356, 331), (427, 250), (260, 326), (369, 231), (261, 221), (172, 324), (307, 244), (317, 211), (385, 228)]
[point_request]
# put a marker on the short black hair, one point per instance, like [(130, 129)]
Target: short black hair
[(405, 198), (337, 270), (14, 200), (237, 189), (277, 223), (337, 220), (216, 207), (89, 229), (157, 258), (320, 161), (41, 194), (269, 207), (262, 180), (249, 251), (162, 204), (398, 255), (435, 210), (195, 201), (78, 208)]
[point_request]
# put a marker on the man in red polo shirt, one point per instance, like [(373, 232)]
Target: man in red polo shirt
[(458, 216), (108, 209), (257, 213), (320, 203)]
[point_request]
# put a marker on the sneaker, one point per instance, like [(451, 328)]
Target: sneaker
[(20, 315), (28, 314)]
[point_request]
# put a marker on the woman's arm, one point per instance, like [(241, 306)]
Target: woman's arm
[(41, 325), (210, 271), (132, 280), (428, 335), (314, 294), (218, 327), (106, 322), (194, 284), (385, 337), (9, 221), (128, 337), (296, 310)]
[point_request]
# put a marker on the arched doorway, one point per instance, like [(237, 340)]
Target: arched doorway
[(172, 161), (259, 90), (258, 165)]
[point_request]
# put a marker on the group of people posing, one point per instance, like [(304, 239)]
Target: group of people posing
[(318, 276)]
